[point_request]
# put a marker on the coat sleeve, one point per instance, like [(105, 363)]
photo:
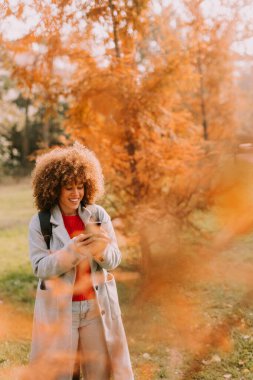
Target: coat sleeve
[(45, 263), (111, 257)]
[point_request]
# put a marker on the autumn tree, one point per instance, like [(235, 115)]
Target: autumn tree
[(136, 123), (35, 69), (143, 88), (11, 115), (245, 100), (209, 38)]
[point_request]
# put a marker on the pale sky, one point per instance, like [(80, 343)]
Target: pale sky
[(13, 28)]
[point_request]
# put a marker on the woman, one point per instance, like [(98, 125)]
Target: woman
[(77, 314)]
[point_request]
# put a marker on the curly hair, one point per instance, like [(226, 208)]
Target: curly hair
[(62, 166)]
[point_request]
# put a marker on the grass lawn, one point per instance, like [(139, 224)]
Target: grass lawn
[(194, 330)]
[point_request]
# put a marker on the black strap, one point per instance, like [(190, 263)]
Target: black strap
[(46, 226), (76, 374)]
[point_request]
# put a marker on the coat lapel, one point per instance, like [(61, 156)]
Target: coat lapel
[(85, 213)]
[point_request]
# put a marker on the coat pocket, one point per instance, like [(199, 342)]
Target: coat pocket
[(46, 306), (112, 294), (42, 285)]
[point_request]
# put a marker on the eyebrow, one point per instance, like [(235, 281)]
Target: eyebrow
[(71, 184)]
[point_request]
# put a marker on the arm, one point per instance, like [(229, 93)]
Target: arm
[(45, 263)]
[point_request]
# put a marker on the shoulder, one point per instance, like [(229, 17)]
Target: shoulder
[(34, 223), (99, 212)]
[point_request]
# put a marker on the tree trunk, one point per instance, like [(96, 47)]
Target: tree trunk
[(202, 99), (146, 259), (25, 136), (46, 124), (45, 133), (115, 29), (137, 6), (131, 148)]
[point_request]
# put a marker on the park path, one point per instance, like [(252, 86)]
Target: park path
[(15, 334), (15, 323)]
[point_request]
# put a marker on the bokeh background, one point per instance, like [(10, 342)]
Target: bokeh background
[(162, 92)]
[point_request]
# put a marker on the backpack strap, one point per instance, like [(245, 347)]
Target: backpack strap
[(45, 226)]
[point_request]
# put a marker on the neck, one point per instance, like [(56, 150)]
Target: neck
[(68, 212)]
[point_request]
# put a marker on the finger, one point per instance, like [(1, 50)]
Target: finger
[(95, 234), (104, 233), (100, 234), (94, 240), (86, 242), (83, 237)]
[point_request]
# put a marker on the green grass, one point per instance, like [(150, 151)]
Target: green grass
[(14, 353), (19, 286), (149, 330), (16, 280), (16, 204)]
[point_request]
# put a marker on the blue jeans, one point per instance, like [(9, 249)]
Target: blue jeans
[(89, 341)]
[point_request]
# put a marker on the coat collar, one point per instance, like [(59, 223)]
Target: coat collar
[(56, 219), (56, 215)]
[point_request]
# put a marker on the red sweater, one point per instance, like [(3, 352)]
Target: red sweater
[(83, 289)]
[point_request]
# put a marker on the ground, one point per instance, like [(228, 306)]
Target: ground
[(185, 330)]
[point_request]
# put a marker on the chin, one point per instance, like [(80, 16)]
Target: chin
[(75, 207)]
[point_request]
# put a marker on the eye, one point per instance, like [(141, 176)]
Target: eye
[(68, 187)]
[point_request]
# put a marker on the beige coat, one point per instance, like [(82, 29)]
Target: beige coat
[(56, 270)]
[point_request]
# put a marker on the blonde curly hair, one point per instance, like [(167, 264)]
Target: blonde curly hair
[(62, 166)]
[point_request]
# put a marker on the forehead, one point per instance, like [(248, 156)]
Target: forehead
[(72, 182)]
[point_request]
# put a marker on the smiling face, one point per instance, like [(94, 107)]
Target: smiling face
[(70, 197)]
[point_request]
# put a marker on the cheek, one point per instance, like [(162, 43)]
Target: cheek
[(63, 196)]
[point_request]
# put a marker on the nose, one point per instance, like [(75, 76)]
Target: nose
[(75, 191)]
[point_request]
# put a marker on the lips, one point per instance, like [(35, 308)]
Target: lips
[(74, 201)]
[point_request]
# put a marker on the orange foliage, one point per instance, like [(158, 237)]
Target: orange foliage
[(145, 97), (139, 93)]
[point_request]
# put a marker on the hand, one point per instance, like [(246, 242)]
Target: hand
[(96, 243), (78, 244), (93, 243)]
